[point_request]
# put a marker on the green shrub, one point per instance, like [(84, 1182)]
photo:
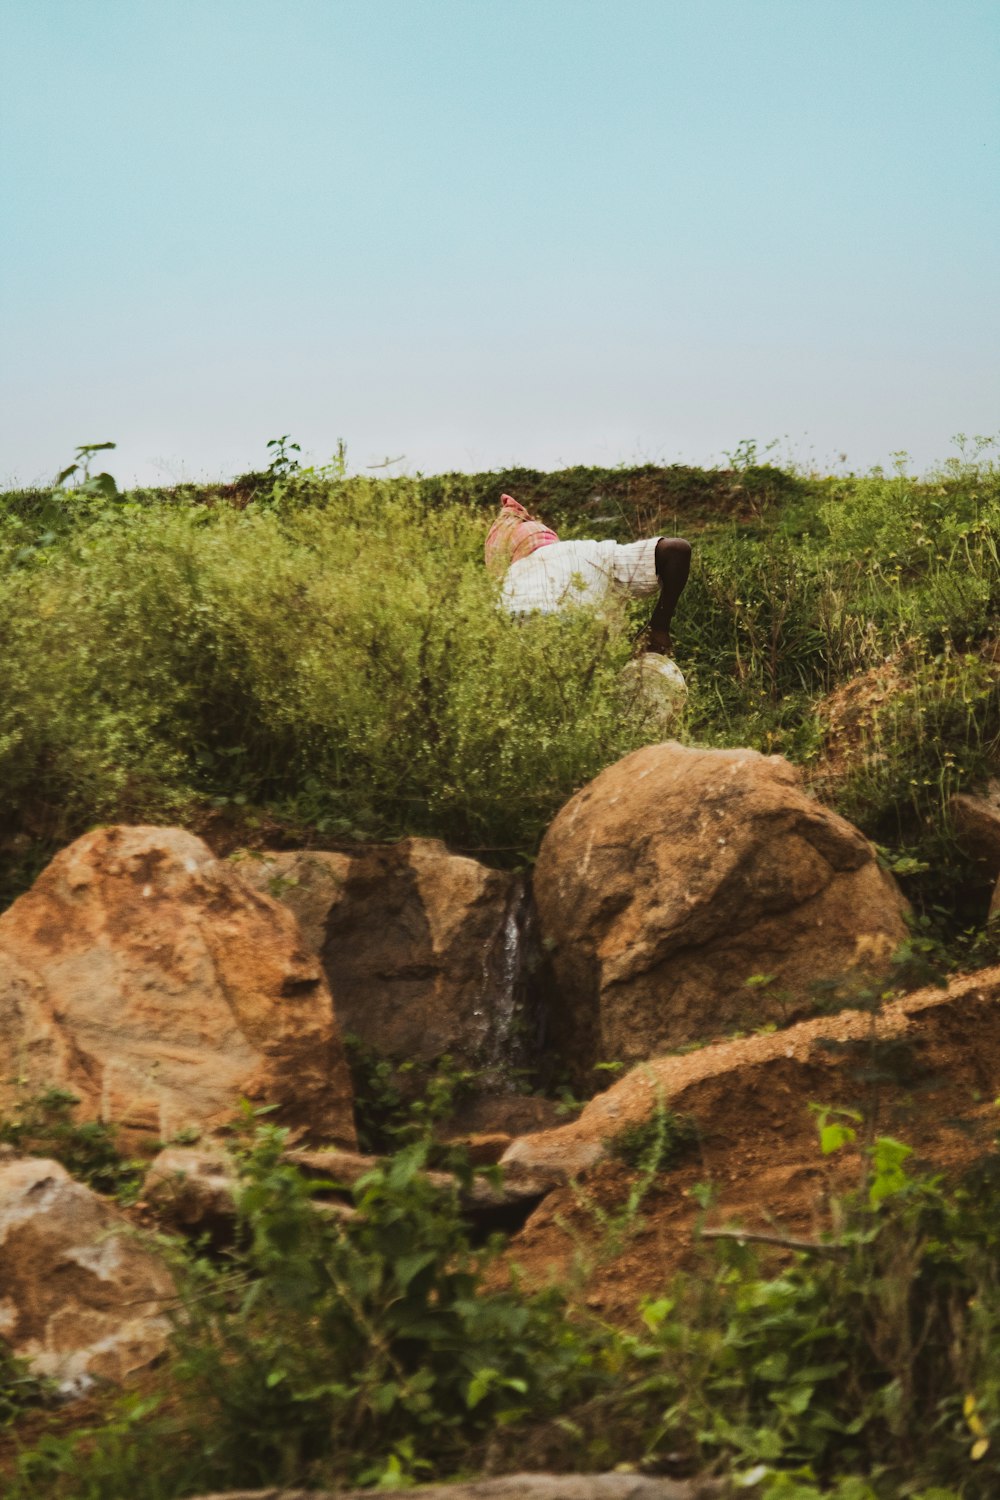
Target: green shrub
[(378, 1348), (398, 1101), (347, 665), (43, 1125), (20, 1391)]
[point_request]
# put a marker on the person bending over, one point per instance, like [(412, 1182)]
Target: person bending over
[(542, 573)]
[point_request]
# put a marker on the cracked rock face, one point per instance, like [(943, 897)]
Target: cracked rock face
[(679, 874), (149, 979), (422, 947), (81, 1296)]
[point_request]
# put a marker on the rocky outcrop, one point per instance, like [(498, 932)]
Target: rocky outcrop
[(422, 948), (310, 882), (192, 1190), (81, 1296), (757, 1090), (677, 876), (148, 978)]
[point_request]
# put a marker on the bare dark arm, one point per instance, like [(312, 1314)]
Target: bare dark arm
[(673, 564)]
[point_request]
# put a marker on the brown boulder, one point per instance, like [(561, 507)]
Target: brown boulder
[(145, 976), (81, 1296), (192, 1189), (310, 882), (679, 874), (422, 947)]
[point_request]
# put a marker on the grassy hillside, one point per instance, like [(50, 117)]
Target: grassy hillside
[(322, 656), (308, 658)]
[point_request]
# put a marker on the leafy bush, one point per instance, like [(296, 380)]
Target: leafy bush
[(364, 1348), (347, 665), (43, 1125), (381, 1347), (398, 1101), (330, 648)]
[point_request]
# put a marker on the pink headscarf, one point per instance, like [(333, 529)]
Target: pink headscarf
[(513, 535)]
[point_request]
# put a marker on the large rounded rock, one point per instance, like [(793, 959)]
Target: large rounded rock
[(679, 874), (145, 976), (423, 948), (82, 1298)]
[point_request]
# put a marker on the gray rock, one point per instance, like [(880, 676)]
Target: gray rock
[(81, 1294), (520, 1487)]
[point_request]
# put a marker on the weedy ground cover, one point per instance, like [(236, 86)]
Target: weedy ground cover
[(373, 1350), (328, 651)]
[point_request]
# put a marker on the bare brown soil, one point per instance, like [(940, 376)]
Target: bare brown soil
[(928, 1074)]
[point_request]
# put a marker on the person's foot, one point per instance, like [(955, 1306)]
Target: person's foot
[(659, 642)]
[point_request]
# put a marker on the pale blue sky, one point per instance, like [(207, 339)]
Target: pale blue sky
[(485, 232)]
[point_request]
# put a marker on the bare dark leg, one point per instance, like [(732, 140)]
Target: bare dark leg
[(673, 564)]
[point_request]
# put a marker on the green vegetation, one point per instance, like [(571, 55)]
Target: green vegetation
[(382, 1347), (657, 1143), (326, 651), (399, 1101), (20, 1391), (43, 1125)]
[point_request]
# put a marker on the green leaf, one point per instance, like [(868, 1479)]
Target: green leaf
[(408, 1266), (654, 1313), (106, 485), (833, 1137), (480, 1386), (887, 1157)]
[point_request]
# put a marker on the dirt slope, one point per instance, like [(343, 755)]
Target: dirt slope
[(926, 1070)]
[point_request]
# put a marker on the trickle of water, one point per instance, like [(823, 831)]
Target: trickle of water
[(508, 1023)]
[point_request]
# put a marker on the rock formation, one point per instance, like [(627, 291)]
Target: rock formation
[(614, 1486), (145, 976), (421, 947), (761, 1087), (677, 876), (81, 1296)]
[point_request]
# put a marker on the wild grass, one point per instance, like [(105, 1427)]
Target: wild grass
[(331, 653), (384, 1349)]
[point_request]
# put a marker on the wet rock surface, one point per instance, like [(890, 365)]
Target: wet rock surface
[(145, 976), (679, 874), (81, 1295), (423, 949)]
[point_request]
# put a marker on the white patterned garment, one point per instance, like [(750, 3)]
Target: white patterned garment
[(568, 573)]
